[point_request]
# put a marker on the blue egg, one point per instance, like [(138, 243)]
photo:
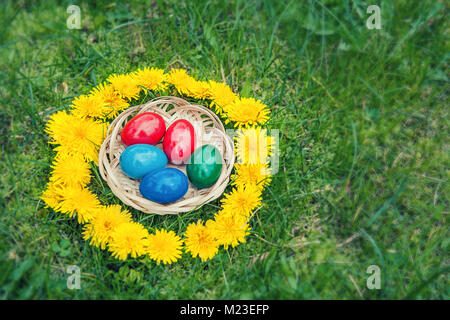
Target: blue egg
[(140, 159), (164, 185)]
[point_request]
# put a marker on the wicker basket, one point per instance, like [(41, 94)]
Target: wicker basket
[(208, 129)]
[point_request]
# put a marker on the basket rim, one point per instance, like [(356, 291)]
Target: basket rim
[(108, 157)]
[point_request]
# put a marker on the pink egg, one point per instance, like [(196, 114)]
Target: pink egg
[(179, 141)]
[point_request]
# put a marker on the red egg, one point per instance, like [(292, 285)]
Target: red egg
[(179, 141), (145, 128)]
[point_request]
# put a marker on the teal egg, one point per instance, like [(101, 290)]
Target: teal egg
[(140, 159), (204, 166)]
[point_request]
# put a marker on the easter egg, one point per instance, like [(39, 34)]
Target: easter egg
[(204, 166), (164, 185), (179, 141), (139, 159), (145, 128)]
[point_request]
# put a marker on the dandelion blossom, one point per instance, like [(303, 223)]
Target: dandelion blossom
[(114, 103), (242, 200), (222, 96), (81, 136), (200, 241), (52, 195), (180, 79), (78, 201), (164, 246), (88, 106), (126, 85), (245, 112), (105, 221), (253, 146), (256, 174), (228, 228), (128, 239), (151, 78), (200, 90), (70, 170), (56, 126)]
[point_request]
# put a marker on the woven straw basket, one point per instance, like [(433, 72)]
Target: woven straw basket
[(208, 130)]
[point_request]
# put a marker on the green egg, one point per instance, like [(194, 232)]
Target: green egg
[(204, 166)]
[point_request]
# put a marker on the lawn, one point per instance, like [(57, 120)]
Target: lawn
[(363, 144)]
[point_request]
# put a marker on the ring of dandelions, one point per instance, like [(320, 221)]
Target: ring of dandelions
[(78, 133)]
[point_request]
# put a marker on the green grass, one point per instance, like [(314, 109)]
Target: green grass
[(362, 115)]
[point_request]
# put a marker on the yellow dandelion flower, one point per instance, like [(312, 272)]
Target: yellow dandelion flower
[(114, 103), (180, 79), (253, 146), (245, 112), (81, 136), (200, 90), (105, 221), (151, 78), (52, 195), (242, 200), (200, 241), (229, 228), (88, 106), (164, 246), (126, 85), (222, 96), (88, 233), (56, 126), (70, 170), (257, 174), (128, 239), (78, 201)]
